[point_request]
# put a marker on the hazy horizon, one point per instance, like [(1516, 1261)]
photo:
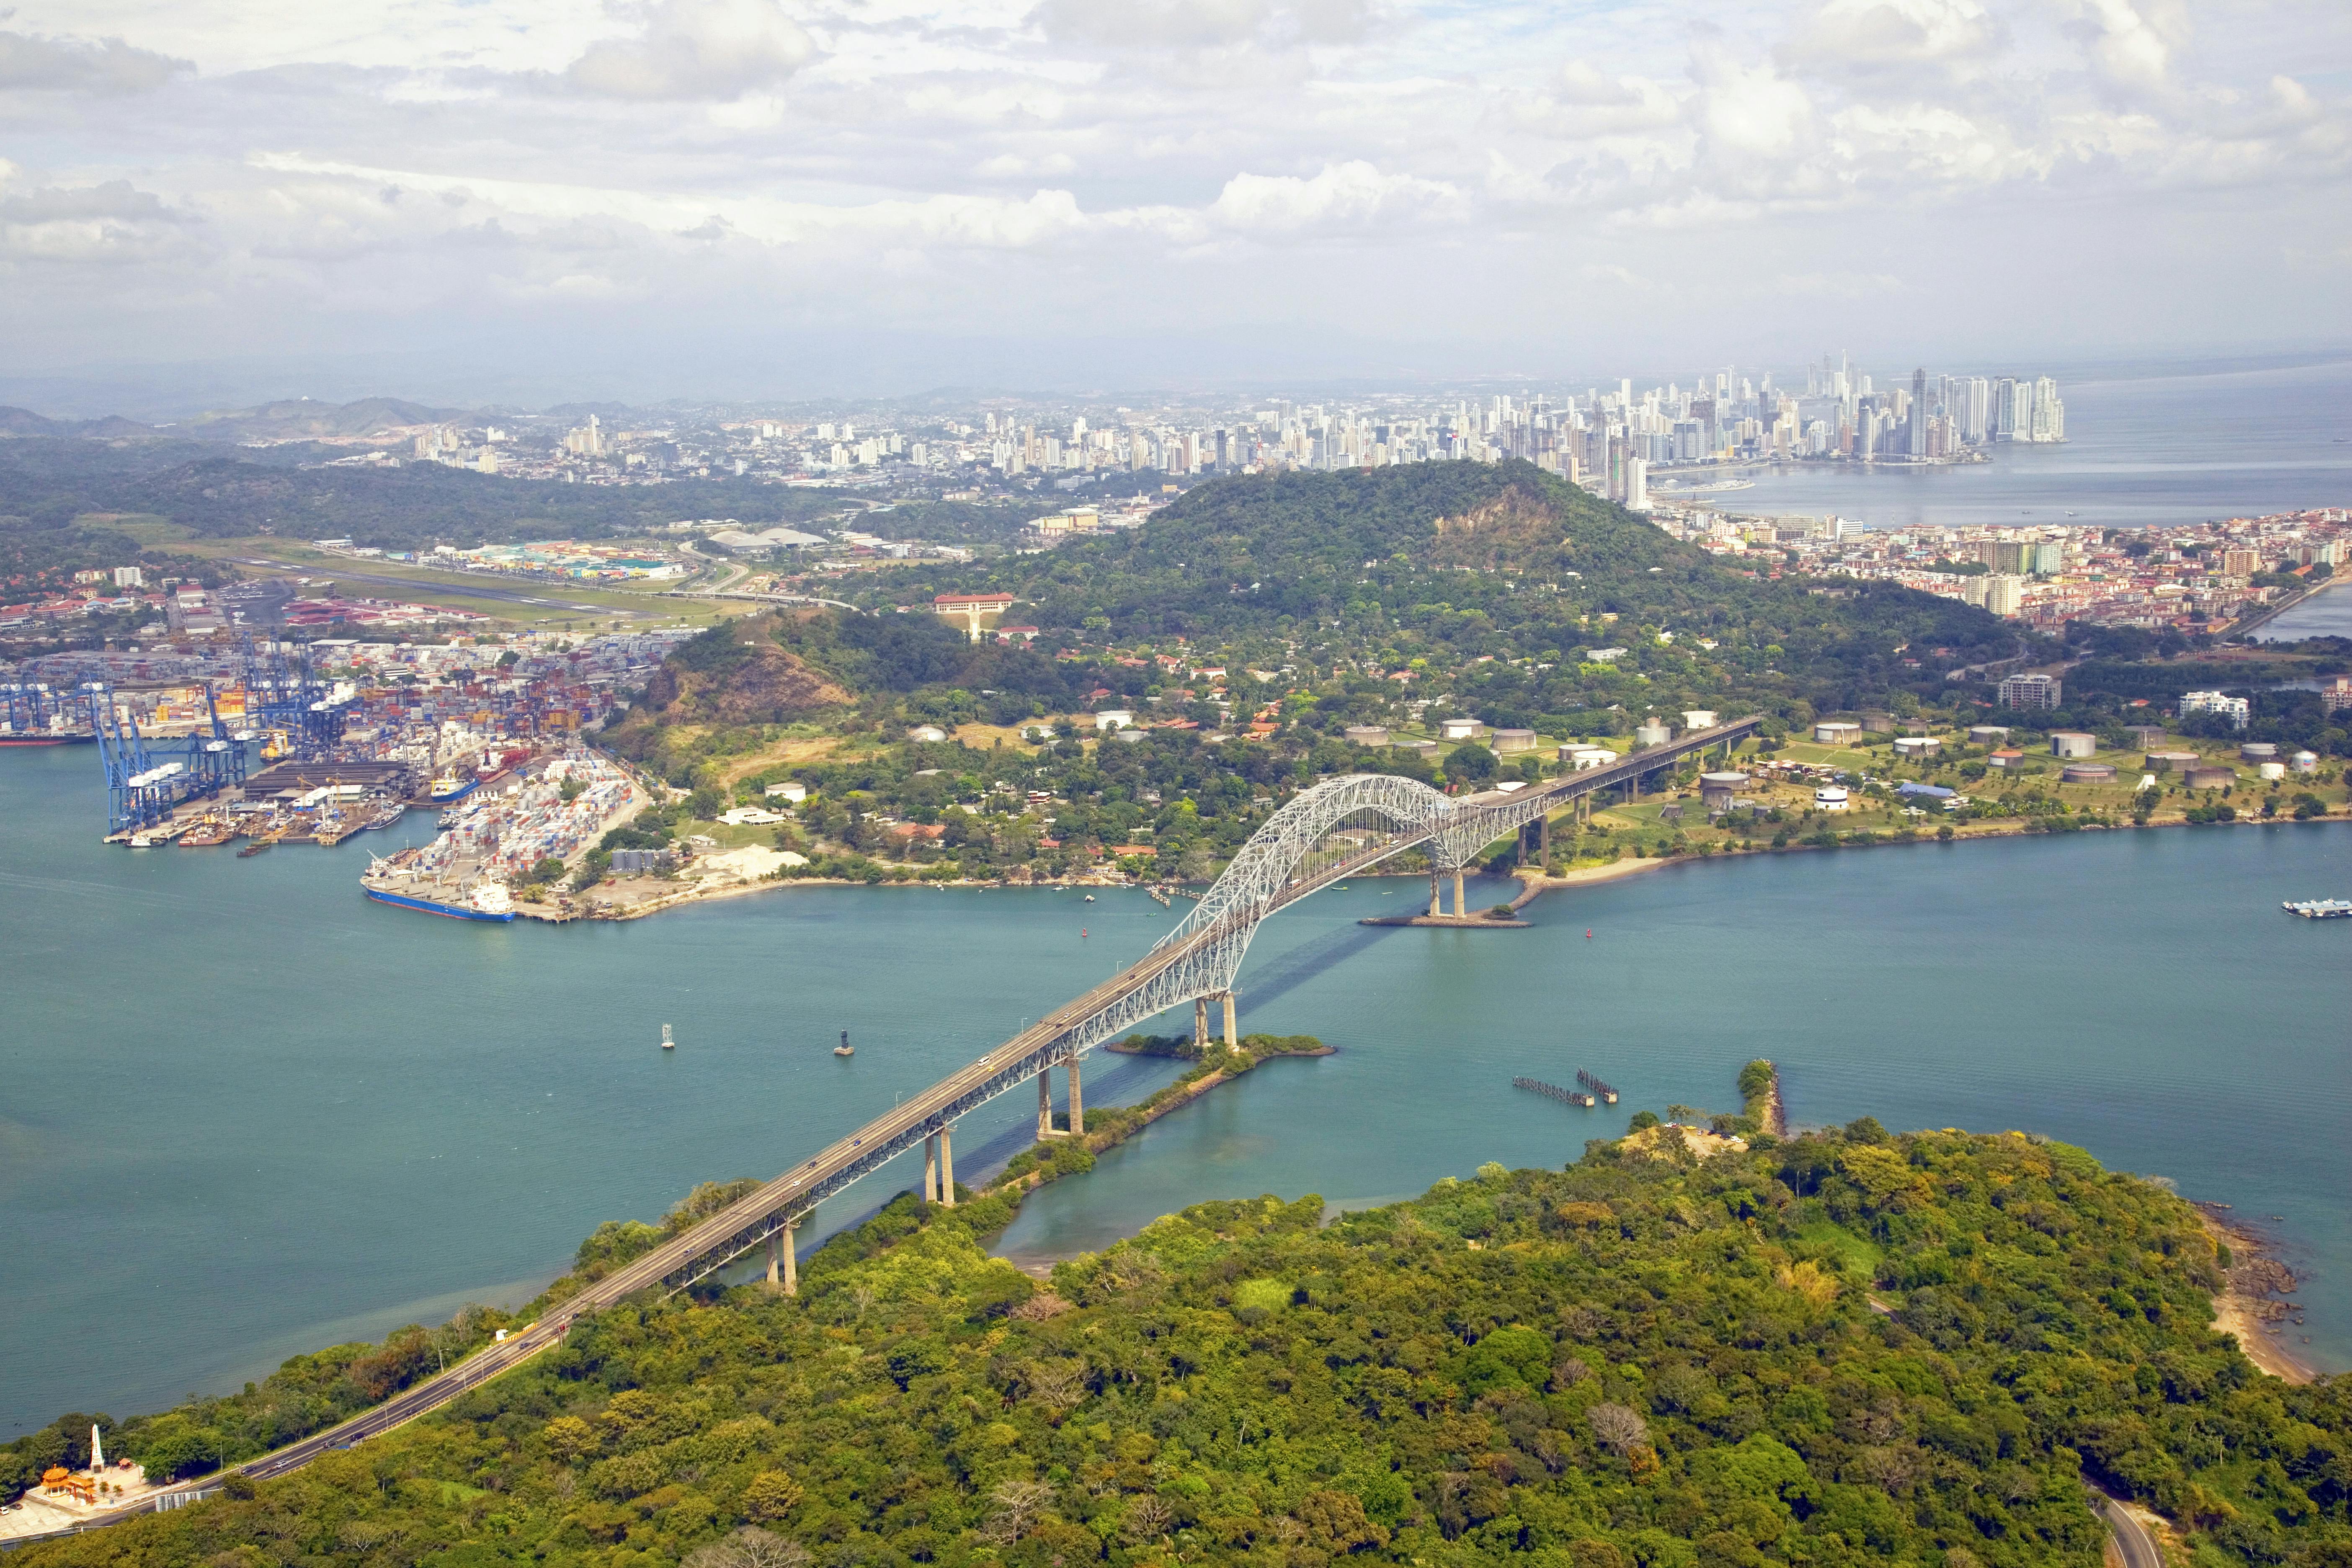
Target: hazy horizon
[(646, 199)]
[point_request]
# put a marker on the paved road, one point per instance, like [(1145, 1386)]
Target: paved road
[(2131, 1537)]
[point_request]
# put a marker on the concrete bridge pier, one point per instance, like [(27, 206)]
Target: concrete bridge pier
[(1458, 910), (1232, 1036), (946, 1165), (1200, 1025), (781, 1259), (1078, 1108), (1044, 1102), (1436, 893), (931, 1169)]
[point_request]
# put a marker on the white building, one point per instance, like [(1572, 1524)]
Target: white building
[(2239, 709), (1830, 797)]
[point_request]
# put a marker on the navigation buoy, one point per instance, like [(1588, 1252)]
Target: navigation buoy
[(1082, 931), (1588, 933)]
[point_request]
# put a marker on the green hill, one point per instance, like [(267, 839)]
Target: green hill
[(1844, 1349), (1462, 561)]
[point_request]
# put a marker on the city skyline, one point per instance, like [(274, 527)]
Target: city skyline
[(747, 197)]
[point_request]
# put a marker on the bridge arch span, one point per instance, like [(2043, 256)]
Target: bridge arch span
[(1361, 809)]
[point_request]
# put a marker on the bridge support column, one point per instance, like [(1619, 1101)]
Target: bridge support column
[(1543, 844), (1458, 910), (1044, 1102), (782, 1242), (931, 1169), (772, 1248), (946, 1165), (1077, 1107), (1200, 1025), (1232, 1036), (1436, 893)]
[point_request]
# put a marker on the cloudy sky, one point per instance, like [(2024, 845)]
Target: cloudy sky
[(796, 197)]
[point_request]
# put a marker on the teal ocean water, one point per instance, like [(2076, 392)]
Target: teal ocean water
[(247, 1112)]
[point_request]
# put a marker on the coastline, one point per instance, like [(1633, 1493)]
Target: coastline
[(2248, 1305), (1534, 883)]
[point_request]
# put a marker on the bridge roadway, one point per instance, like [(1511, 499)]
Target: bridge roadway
[(706, 1248)]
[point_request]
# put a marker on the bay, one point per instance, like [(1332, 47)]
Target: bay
[(249, 1113), (2170, 444), (2327, 614)]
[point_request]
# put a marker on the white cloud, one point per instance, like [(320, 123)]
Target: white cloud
[(1156, 163), (1878, 35), (1351, 195), (32, 63), (697, 49), (2131, 42), (104, 226), (1199, 24)]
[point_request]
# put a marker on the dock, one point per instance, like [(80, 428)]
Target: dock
[(1607, 1094), (1553, 1091)]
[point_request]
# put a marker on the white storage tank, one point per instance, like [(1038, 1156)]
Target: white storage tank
[(1717, 791), (1830, 797), (2271, 769), (1651, 732)]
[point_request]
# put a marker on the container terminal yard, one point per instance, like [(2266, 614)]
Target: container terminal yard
[(503, 831), (275, 743)]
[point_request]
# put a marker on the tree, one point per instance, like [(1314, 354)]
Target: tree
[(1471, 762), (771, 1495), (1619, 1427), (749, 1547)]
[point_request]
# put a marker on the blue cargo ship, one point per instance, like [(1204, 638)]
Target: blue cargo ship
[(455, 912)]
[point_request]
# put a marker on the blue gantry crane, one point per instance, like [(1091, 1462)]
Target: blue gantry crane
[(282, 695), (30, 709), (147, 780)]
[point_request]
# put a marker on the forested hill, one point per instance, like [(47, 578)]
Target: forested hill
[(1846, 1349), (1476, 560), (46, 483)]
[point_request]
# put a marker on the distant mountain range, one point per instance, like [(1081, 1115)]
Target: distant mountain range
[(292, 419)]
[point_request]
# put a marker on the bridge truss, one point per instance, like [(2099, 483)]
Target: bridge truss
[(1336, 829)]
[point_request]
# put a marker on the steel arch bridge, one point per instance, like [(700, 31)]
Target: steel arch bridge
[(1339, 828)]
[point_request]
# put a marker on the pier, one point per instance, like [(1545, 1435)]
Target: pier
[(1553, 1091)]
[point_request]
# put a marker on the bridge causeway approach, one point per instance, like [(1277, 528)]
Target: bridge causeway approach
[(1339, 828)]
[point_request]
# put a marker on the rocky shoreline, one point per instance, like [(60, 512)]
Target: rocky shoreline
[(2253, 1305)]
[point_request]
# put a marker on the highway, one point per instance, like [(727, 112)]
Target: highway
[(2131, 1537), (701, 1249)]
